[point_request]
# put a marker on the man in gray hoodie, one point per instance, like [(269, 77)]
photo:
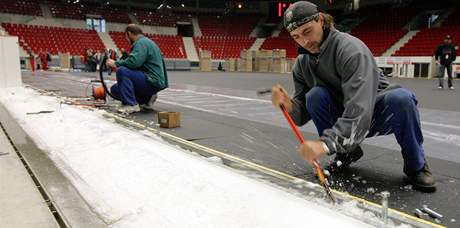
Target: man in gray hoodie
[(339, 86)]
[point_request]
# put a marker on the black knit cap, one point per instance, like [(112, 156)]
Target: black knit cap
[(298, 14)]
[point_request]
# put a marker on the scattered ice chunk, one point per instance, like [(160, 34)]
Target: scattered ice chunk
[(408, 187), (147, 133), (194, 153), (452, 220), (403, 226), (339, 163), (311, 193), (298, 181), (364, 181), (214, 159), (327, 173), (371, 190)]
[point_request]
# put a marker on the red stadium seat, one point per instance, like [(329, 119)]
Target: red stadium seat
[(55, 39), (26, 7), (425, 42), (171, 46)]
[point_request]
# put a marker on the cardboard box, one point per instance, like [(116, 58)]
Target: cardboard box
[(230, 65), (279, 65), (64, 60), (169, 119), (205, 54), (243, 65), (246, 54), (279, 53), (205, 64), (262, 60), (263, 64)]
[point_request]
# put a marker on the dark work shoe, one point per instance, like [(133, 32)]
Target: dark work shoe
[(343, 160), (423, 180)]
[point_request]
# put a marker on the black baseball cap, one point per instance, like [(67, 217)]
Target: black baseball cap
[(298, 14)]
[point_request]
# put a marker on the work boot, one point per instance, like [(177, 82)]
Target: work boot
[(422, 180), (128, 109), (149, 106), (343, 160)]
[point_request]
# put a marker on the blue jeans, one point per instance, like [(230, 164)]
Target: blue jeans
[(132, 87), (449, 75), (396, 113)]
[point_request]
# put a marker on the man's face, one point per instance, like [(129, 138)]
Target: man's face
[(309, 35), (129, 37), (448, 41)]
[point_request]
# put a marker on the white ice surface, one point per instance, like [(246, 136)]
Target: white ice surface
[(133, 179)]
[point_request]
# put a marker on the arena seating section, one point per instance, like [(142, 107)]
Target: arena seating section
[(79, 11), (26, 7), (225, 36), (453, 19), (222, 37), (154, 18), (217, 25), (55, 39), (426, 41), (223, 47), (382, 27), (170, 46)]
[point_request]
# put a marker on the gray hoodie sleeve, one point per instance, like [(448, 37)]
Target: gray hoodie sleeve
[(360, 78), (299, 111)]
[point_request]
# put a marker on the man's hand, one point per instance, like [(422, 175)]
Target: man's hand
[(281, 97), (312, 150), (110, 63)]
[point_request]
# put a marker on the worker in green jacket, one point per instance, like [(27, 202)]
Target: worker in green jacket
[(140, 76)]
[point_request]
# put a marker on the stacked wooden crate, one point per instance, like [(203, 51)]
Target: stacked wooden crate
[(205, 60)]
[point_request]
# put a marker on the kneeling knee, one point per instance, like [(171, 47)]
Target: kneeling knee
[(317, 96), (402, 99), (121, 72)]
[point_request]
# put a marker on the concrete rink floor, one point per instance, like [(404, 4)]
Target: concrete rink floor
[(222, 111)]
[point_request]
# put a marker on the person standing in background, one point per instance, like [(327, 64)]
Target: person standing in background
[(31, 60), (445, 55), (43, 59)]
